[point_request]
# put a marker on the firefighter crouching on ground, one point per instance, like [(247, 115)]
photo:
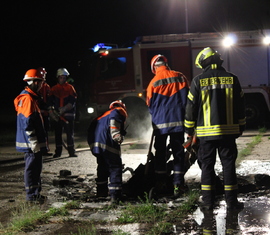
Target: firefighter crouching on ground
[(31, 136), (105, 135), (216, 108), (62, 100), (166, 99), (43, 105)]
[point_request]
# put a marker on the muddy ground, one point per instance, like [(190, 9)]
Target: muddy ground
[(82, 186)]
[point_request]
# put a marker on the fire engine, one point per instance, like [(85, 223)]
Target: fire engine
[(124, 73)]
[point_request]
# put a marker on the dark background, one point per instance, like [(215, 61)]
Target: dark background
[(55, 34)]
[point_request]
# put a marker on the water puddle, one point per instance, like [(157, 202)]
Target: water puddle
[(253, 219)]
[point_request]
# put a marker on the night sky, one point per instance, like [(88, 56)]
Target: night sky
[(59, 33)]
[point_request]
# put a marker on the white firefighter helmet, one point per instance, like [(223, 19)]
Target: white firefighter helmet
[(62, 71)]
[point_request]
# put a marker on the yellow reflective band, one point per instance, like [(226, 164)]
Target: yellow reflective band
[(207, 187), (242, 121), (217, 130), (229, 105), (189, 124), (230, 187), (207, 231), (206, 107), (213, 66), (190, 96)]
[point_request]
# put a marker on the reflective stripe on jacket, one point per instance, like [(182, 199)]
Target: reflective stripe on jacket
[(30, 134), (100, 139), (216, 105), (166, 99)]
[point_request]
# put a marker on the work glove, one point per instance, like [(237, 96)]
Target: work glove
[(118, 138), (65, 108), (53, 114)]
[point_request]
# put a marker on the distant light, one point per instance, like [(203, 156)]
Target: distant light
[(103, 53), (266, 40), (229, 40), (101, 45), (90, 110), (140, 94)]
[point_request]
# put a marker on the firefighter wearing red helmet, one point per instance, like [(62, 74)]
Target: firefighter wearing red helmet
[(216, 108), (62, 109), (105, 135), (166, 99), (31, 135)]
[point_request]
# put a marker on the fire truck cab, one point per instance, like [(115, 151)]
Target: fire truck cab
[(124, 73)]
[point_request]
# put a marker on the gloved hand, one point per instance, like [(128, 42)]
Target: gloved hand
[(118, 138), (53, 114), (65, 108)]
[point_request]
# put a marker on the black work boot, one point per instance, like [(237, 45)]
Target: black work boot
[(102, 190), (58, 152), (115, 198), (71, 152)]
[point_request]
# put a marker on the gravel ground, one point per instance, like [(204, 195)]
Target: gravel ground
[(133, 153)]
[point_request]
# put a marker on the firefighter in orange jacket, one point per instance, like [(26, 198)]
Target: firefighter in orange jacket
[(31, 136), (216, 108), (166, 99), (62, 103)]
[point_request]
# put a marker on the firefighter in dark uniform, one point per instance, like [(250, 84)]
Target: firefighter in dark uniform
[(31, 135), (43, 104), (105, 135), (216, 108), (62, 102)]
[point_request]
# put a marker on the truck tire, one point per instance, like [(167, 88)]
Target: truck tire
[(255, 113), (138, 121)]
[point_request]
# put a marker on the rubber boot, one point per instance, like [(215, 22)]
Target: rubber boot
[(102, 190), (58, 152), (71, 152)]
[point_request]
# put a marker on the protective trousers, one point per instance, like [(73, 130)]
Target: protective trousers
[(227, 151), (69, 130), (176, 141), (110, 165), (32, 172)]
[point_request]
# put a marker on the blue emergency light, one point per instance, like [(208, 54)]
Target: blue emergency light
[(103, 46)]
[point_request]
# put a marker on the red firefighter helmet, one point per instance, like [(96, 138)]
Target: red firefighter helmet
[(117, 103), (33, 74), (157, 60), (42, 71)]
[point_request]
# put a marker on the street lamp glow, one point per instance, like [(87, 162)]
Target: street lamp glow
[(266, 40), (229, 40)]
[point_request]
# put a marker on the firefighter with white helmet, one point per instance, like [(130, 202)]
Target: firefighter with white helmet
[(62, 108), (31, 135), (216, 108), (105, 135), (166, 99)]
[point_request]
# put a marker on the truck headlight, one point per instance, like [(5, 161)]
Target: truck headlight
[(90, 110)]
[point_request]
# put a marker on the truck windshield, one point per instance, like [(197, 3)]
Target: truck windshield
[(112, 67)]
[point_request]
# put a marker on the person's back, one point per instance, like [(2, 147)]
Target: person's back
[(166, 99), (216, 111)]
